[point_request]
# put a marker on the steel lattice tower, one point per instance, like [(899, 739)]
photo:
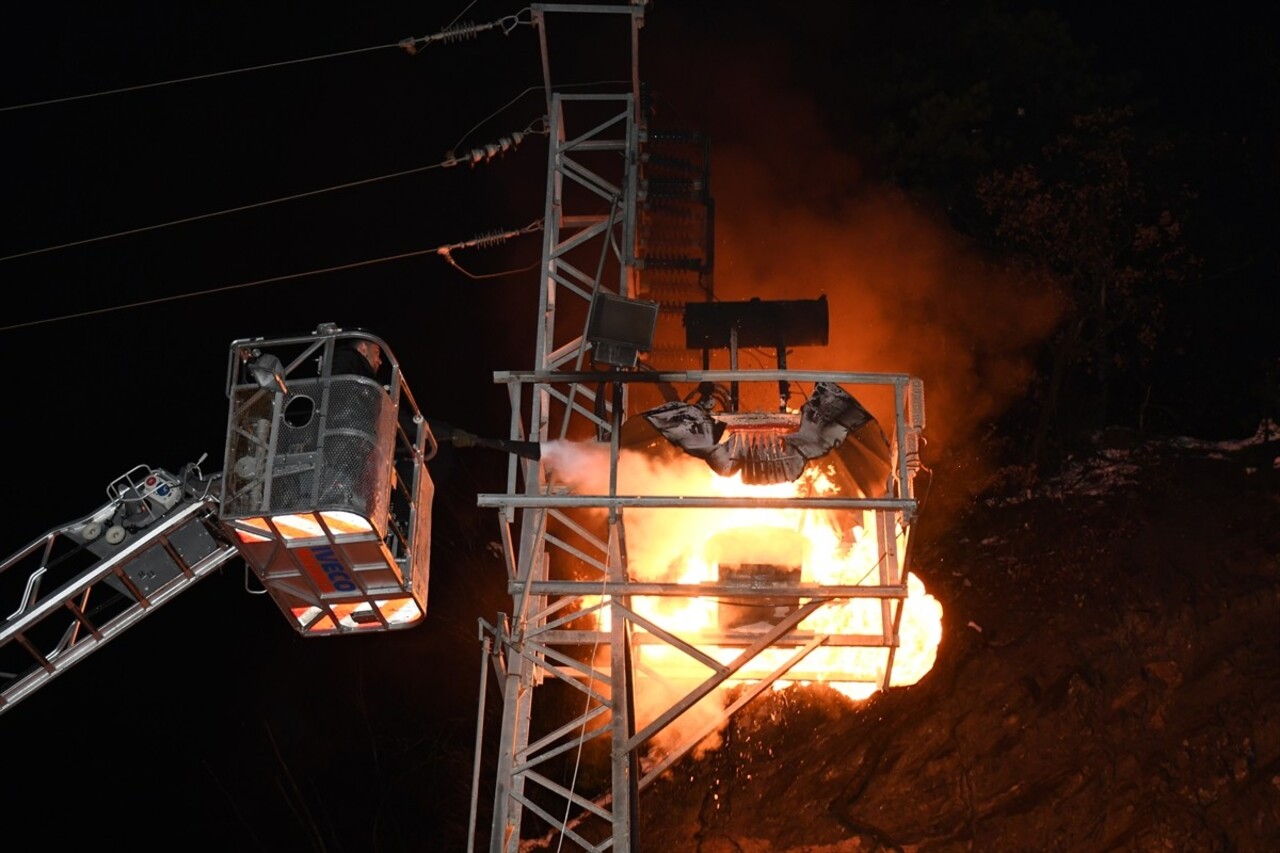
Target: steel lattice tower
[(628, 227)]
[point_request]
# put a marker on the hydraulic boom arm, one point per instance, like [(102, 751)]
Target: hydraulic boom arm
[(71, 590)]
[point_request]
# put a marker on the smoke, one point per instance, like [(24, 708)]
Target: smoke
[(657, 539), (796, 218)]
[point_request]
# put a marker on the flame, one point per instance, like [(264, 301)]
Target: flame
[(699, 545)]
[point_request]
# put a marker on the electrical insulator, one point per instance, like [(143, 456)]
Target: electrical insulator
[(458, 32), (488, 152), (915, 411)]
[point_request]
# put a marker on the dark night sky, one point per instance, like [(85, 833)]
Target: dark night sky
[(195, 727), (202, 719)]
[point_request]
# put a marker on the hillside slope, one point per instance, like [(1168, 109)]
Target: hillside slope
[(1108, 679)]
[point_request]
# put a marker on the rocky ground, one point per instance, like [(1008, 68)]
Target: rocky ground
[(1108, 680)]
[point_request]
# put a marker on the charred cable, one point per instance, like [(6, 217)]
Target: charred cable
[(461, 32)]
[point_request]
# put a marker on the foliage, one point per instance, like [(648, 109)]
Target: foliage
[(1098, 213), (981, 88)]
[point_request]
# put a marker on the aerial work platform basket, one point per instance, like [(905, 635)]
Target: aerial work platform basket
[(326, 489)]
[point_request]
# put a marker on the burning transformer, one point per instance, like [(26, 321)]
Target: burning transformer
[(786, 534), (768, 449)]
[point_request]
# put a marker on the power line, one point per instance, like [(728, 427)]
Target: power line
[(259, 282), (452, 33), (477, 155), (225, 212), (443, 251), (195, 77), (473, 157)]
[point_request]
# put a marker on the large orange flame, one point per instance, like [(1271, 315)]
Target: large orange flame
[(699, 545)]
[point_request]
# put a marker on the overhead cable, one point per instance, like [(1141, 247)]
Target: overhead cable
[(258, 282), (239, 209), (195, 77), (489, 239)]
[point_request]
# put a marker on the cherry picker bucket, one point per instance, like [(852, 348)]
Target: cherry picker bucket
[(326, 488)]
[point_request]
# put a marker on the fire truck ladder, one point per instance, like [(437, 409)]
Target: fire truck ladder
[(76, 592)]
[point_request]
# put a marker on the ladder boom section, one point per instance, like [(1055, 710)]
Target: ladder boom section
[(68, 592)]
